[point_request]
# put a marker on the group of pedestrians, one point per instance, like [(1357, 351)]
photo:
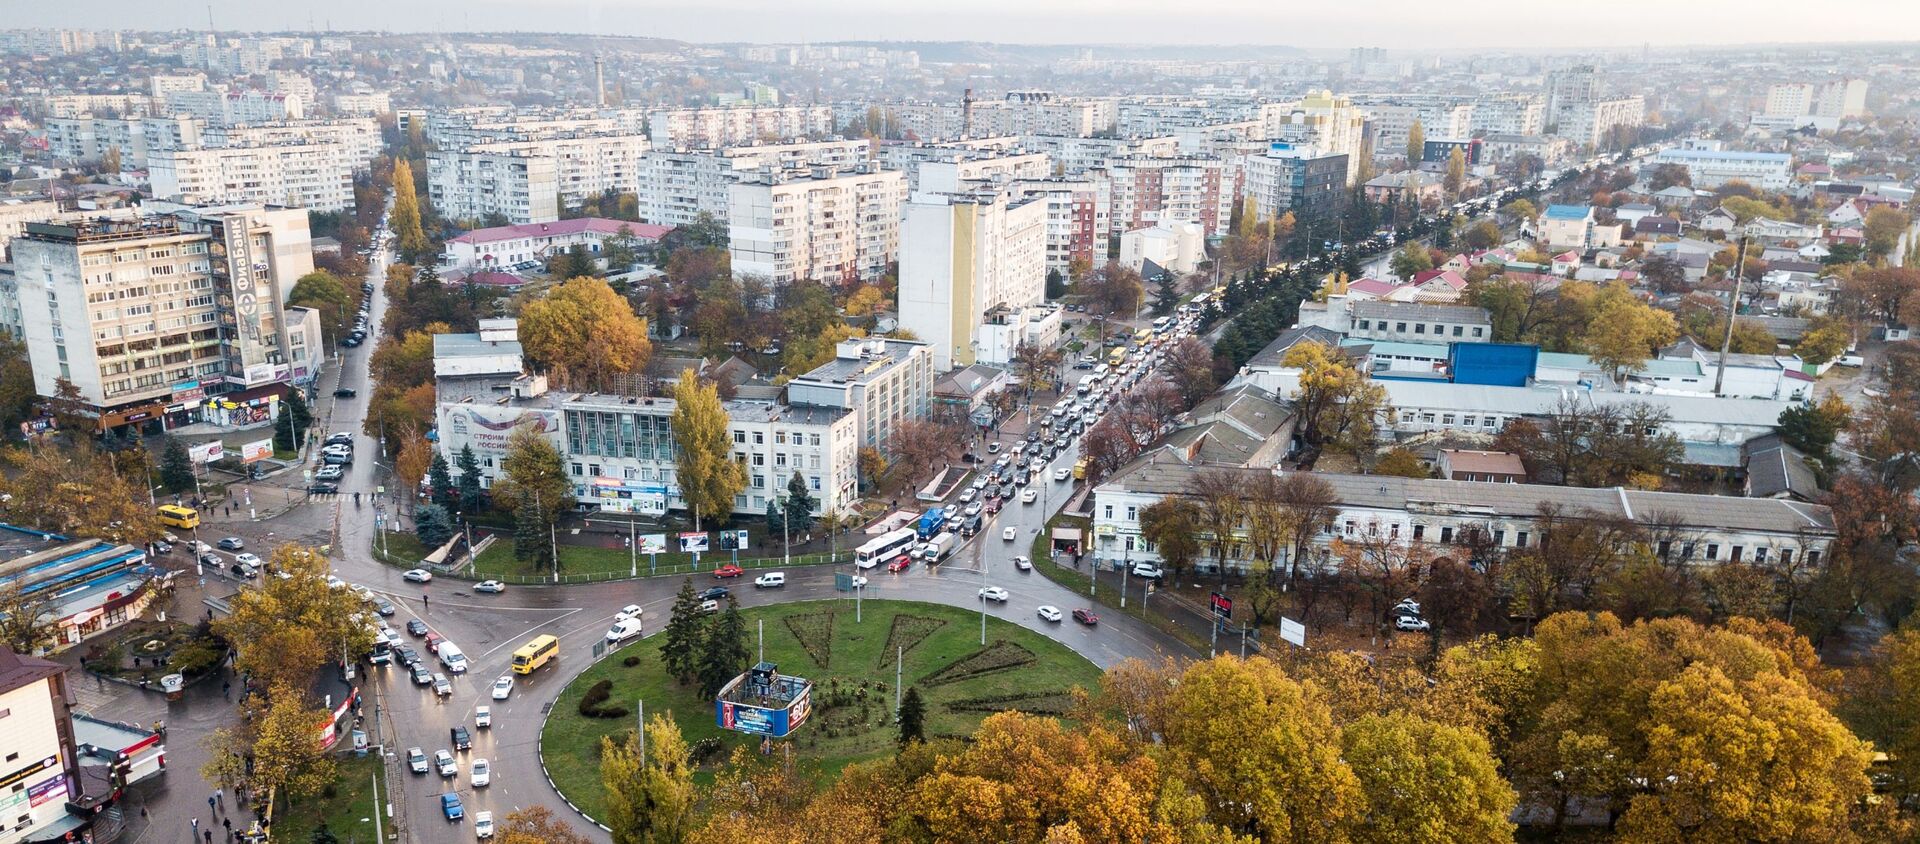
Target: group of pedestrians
[(217, 809)]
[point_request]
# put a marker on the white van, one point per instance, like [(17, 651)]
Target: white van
[(452, 658), (768, 580)]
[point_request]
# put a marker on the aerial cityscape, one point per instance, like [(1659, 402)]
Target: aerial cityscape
[(1058, 423)]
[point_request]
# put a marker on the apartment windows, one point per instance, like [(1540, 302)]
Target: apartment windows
[(739, 437), (1109, 511), (1133, 513), (1713, 551), (1813, 559), (1477, 331), (1456, 330), (1760, 555), (1520, 540), (1400, 327), (1420, 328), (1735, 553), (1348, 528), (759, 481)]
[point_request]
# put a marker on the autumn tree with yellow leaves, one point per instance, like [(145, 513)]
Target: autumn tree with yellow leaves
[(585, 335)]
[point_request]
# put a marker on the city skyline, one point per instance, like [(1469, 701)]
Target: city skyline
[(1393, 24)]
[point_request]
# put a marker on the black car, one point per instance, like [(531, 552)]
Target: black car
[(462, 740), (244, 570), (408, 656), (416, 627), (1033, 436), (345, 393), (323, 488), (714, 594), (350, 341), (212, 560), (160, 547)]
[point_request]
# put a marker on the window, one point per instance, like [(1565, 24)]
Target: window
[(813, 481), (1446, 535), (1349, 527), (1468, 421), (759, 482), (1520, 540), (576, 468), (1478, 332), (1419, 532), (1109, 511), (1713, 551), (1760, 555), (759, 459), (759, 438), (1665, 548), (1813, 559), (1786, 556), (1439, 329), (1400, 327), (740, 437), (779, 437), (1364, 326), (1499, 537), (1420, 328), (1133, 513), (1456, 331), (1446, 419), (813, 439), (1736, 553)]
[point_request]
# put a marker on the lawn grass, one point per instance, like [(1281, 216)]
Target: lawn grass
[(352, 800), (853, 696)]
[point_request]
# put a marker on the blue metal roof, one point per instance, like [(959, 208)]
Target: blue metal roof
[(1568, 212)]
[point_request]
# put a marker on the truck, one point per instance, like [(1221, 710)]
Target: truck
[(930, 522), (941, 546)]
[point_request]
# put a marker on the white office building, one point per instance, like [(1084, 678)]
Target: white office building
[(963, 254), (1712, 166), (822, 224)]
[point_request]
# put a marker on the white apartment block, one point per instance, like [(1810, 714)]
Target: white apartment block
[(454, 129), (1789, 100), (163, 84), (1576, 110), (1710, 166), (1017, 113), (1079, 217), (87, 138), (226, 108), (509, 178), (35, 695), (1510, 114), (963, 173), (962, 255), (368, 105), (1324, 121), (1147, 191), (294, 85), (150, 316), (1839, 99), (824, 225), (776, 441), (15, 214), (317, 176), (76, 105), (711, 128), (1391, 119), (676, 187), (360, 136), (1078, 155), (883, 382), (1590, 126)]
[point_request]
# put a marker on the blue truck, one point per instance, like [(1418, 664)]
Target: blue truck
[(930, 522)]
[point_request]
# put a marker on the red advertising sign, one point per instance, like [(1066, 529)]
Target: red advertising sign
[(1222, 607)]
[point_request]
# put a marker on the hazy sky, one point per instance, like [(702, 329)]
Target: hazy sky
[(1405, 24)]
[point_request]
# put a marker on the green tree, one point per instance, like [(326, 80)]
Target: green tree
[(650, 791), (622, 250), (433, 525), (1625, 331), (1411, 259), (1883, 226), (283, 437), (723, 651), (912, 717), (323, 292), (1813, 428), (1166, 293), (1172, 526), (800, 505), (533, 473), (1401, 462), (17, 392), (471, 496), (440, 478), (709, 476), (176, 466), (1824, 343), (404, 219), (684, 636), (532, 543), (323, 835), (575, 263), (1056, 284), (776, 516), (294, 404), (1416, 144), (27, 619), (1520, 209), (1483, 235)]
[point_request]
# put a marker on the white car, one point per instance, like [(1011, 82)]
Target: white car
[(483, 717), (1023, 564), (1410, 623), (993, 593), (1050, 613), (973, 509), (1147, 570), (1062, 473), (248, 559), (859, 581), (967, 494), (417, 760), (1010, 534), (490, 586), (770, 580), (624, 629), (483, 825), (502, 688), (443, 760), (479, 774), (1029, 496), (629, 611), (1037, 464), (417, 575)]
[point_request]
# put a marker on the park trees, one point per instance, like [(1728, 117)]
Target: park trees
[(27, 618), (75, 489), (1813, 428), (1423, 781), (912, 717), (469, 494), (680, 641), (1189, 366), (433, 525), (1416, 144), (440, 480), (709, 477), (1412, 259), (1036, 367), (176, 466), (1113, 290), (294, 623), (585, 334), (534, 487), (324, 292), (723, 648), (650, 795)]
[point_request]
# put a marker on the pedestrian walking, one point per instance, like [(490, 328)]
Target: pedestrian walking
[(210, 809), (196, 824), (208, 835), (220, 794), (228, 823), (143, 812), (226, 690)]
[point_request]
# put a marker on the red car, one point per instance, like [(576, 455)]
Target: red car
[(728, 570), (993, 505), (433, 643), (1086, 617), (900, 564)]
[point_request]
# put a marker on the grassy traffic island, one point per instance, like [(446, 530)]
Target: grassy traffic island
[(852, 667)]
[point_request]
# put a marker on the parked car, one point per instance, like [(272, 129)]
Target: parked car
[(383, 606), (344, 393), (232, 543), (490, 587), (417, 576), (329, 473), (416, 760), (993, 593), (1086, 617), (244, 571), (1147, 570), (339, 438), (1049, 613), (1411, 624)]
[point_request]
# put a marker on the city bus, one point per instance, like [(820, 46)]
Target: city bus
[(1142, 336), (1117, 356), (535, 653), (885, 547), (184, 518)]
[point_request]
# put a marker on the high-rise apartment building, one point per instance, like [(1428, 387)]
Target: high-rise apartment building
[(226, 108), (1789, 100), (676, 187), (1326, 122), (710, 128), (317, 176), (1303, 180), (370, 104), (525, 181), (1193, 189), (1577, 111), (151, 317), (1079, 212), (963, 254), (822, 224), (1841, 99), (1390, 120), (1510, 114)]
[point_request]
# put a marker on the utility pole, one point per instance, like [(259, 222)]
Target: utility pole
[(899, 656), (633, 549), (640, 728), (1733, 310)]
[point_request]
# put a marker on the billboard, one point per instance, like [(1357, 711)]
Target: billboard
[(733, 540), (693, 542), (256, 451), (1222, 607), (1293, 631), (764, 721), (487, 427), (653, 543), (208, 452)]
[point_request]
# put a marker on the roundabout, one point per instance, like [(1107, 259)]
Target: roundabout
[(852, 665)]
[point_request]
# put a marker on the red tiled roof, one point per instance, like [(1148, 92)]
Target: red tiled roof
[(561, 228), (1373, 286), (1447, 277)]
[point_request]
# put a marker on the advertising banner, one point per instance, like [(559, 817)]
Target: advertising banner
[(256, 451), (653, 543), (691, 542), (1293, 631), (733, 540), (1222, 607), (208, 452)]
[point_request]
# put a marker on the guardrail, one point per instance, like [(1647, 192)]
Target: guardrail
[(706, 565)]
